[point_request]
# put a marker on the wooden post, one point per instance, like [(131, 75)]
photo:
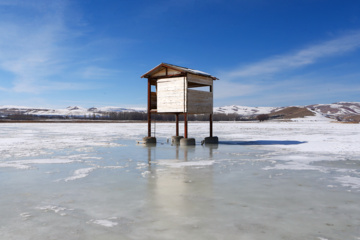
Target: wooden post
[(211, 125), (149, 107), (211, 116), (185, 125), (177, 124)]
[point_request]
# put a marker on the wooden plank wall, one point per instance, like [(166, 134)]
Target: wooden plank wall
[(160, 73), (153, 104), (199, 102), (163, 72), (171, 94), (199, 79)]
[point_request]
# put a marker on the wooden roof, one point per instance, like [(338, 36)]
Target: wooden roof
[(181, 70)]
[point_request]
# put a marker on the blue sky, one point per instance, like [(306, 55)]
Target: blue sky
[(265, 52)]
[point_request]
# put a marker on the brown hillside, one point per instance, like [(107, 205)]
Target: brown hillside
[(352, 118), (292, 112)]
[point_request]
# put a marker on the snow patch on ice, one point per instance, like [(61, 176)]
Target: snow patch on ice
[(348, 181), (13, 165), (142, 165), (25, 215), (26, 164), (56, 209), (295, 166), (105, 222), (145, 174), (80, 173), (294, 162)]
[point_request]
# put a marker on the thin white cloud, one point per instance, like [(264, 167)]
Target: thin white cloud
[(308, 88), (311, 94), (309, 55), (4, 89), (94, 72), (39, 48), (226, 89), (29, 44), (264, 82)]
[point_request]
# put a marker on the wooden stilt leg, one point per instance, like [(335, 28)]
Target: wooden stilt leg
[(185, 125), (177, 124), (149, 108), (211, 125)]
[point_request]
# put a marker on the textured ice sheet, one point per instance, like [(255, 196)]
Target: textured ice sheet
[(273, 180)]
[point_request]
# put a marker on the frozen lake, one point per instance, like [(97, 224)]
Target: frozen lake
[(294, 180)]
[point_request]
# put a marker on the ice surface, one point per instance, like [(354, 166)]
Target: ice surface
[(272, 180)]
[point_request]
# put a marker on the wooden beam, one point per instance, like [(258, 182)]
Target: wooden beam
[(176, 68), (170, 76)]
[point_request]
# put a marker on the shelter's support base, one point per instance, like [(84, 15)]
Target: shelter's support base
[(176, 139), (149, 140), (187, 141), (211, 140)]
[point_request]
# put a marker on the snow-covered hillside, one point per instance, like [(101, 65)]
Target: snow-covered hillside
[(335, 110), (245, 111), (331, 110), (69, 111)]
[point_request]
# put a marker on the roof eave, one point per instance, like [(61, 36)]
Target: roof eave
[(180, 69)]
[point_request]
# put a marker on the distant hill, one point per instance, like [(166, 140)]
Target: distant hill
[(245, 111), (292, 112), (73, 111), (342, 111), (337, 109)]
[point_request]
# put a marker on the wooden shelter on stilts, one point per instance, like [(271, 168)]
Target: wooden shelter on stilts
[(179, 91)]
